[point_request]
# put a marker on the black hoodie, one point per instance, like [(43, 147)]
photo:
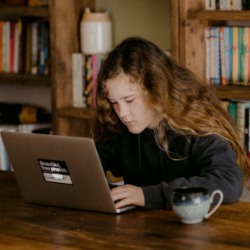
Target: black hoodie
[(194, 161)]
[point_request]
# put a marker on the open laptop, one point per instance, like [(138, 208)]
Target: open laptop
[(59, 171)]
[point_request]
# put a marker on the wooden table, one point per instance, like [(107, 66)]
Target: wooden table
[(27, 226)]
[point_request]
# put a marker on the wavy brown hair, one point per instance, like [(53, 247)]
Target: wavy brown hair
[(187, 105)]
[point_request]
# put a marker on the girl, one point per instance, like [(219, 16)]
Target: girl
[(161, 128)]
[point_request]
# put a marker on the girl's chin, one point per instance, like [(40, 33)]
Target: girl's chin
[(134, 130)]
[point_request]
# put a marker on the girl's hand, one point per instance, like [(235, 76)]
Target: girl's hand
[(128, 195)]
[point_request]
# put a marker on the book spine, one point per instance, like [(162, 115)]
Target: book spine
[(27, 48), (236, 4), (241, 55), (12, 47), (248, 55), (215, 60), (208, 54), (6, 46), (235, 56), (233, 110), (245, 57), (34, 48), (212, 57), (227, 51), (88, 80), (223, 5), (77, 80), (210, 4), (246, 133), (16, 48), (222, 57), (46, 48), (41, 48)]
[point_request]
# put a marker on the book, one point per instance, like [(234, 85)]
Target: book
[(222, 57), (241, 55), (235, 59), (78, 83), (210, 4), (6, 47), (27, 47), (215, 55), (233, 110), (246, 41), (12, 47), (17, 46), (228, 48), (34, 48), (223, 4), (241, 107), (236, 4), (41, 48), (207, 37), (91, 68)]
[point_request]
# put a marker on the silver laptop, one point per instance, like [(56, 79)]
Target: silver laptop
[(59, 171)]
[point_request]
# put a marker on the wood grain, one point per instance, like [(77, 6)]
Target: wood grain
[(29, 226)]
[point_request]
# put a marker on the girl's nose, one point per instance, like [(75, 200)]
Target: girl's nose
[(122, 111)]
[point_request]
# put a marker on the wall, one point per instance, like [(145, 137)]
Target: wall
[(147, 18), (26, 94)]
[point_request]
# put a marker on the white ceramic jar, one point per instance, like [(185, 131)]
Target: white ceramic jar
[(96, 32)]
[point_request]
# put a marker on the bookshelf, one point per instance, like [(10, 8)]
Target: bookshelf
[(15, 12), (65, 40), (63, 17), (188, 21)]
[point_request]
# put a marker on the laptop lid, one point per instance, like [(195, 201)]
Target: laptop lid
[(59, 171)]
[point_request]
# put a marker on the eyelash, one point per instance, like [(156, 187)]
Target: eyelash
[(130, 101)]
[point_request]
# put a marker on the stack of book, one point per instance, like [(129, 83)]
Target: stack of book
[(24, 47), (239, 111), (85, 69), (227, 5), (227, 55)]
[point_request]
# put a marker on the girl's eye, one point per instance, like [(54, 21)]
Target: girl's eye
[(130, 100)]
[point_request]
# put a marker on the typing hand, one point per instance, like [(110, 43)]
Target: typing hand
[(127, 195)]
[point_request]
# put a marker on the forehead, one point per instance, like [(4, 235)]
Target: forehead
[(122, 83)]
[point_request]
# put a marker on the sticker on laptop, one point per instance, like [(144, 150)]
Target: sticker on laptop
[(55, 171)]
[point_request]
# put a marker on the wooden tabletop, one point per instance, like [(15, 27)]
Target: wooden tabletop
[(28, 226)]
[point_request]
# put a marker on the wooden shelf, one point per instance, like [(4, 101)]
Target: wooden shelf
[(23, 11), (24, 79), (219, 15), (188, 22), (233, 92), (71, 112)]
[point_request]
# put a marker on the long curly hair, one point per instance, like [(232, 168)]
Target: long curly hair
[(187, 105)]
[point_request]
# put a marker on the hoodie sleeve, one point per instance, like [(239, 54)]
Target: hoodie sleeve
[(218, 170)]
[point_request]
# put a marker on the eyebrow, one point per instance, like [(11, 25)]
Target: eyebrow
[(125, 97)]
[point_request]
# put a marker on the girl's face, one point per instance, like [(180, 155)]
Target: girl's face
[(130, 104)]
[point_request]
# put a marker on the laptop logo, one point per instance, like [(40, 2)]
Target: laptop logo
[(55, 171)]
